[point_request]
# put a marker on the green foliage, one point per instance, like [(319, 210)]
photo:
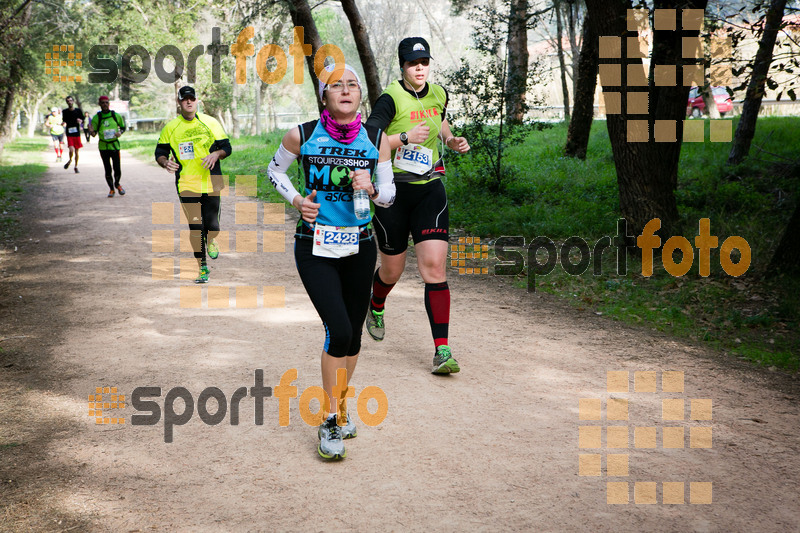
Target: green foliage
[(479, 89), (559, 197)]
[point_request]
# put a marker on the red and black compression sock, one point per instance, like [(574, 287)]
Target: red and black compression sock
[(380, 291), (437, 304)]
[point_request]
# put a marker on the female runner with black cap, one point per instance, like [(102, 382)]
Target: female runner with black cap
[(413, 114)]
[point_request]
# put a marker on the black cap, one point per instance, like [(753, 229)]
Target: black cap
[(412, 48), (186, 92)]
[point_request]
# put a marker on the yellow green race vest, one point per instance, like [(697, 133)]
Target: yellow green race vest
[(410, 111), (55, 125)]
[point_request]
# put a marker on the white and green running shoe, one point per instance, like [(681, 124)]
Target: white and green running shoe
[(375, 326), (213, 249), (203, 276), (444, 362), (331, 445), (349, 429)]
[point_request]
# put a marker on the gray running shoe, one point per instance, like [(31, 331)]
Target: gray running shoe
[(349, 429), (331, 445), (375, 326), (444, 362)]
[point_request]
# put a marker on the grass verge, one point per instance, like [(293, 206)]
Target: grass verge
[(560, 197), (20, 167)]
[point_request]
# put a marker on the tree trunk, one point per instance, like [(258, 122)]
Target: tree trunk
[(583, 105), (647, 171), (31, 109), (365, 54), (7, 117), (234, 132), (255, 126), (708, 99), (266, 105), (437, 30), (517, 46), (302, 18), (15, 73), (786, 259), (573, 46), (273, 117), (758, 79), (562, 65)]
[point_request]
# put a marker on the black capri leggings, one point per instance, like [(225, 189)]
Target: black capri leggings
[(203, 218), (339, 290)]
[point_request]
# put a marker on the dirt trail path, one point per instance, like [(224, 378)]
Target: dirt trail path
[(495, 447)]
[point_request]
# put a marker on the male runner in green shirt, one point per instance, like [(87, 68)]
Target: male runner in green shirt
[(192, 145), (109, 126)]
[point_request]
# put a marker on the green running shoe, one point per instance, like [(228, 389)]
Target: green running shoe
[(375, 326), (331, 445), (203, 276), (213, 249), (443, 361)]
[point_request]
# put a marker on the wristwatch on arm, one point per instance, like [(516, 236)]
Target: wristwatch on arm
[(404, 138), (374, 194)]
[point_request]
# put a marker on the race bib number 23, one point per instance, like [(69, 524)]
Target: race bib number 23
[(186, 151)]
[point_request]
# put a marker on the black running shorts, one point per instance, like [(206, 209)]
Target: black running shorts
[(420, 210)]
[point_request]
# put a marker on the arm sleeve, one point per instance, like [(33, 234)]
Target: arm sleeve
[(384, 179), (383, 112), (222, 144), (280, 163), (123, 126), (162, 149)]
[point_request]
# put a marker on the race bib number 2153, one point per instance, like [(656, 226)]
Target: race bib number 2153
[(414, 158)]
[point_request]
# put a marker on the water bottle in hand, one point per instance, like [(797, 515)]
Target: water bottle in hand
[(361, 204)]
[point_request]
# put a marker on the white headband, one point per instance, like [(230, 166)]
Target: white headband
[(330, 68)]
